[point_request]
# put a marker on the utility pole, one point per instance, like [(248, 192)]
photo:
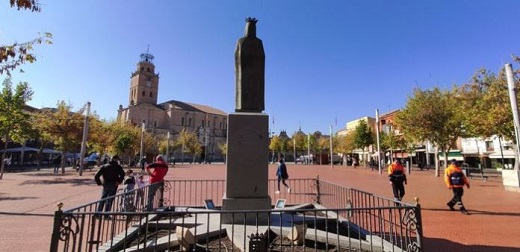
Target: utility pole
[(378, 144), (331, 151), (141, 151)]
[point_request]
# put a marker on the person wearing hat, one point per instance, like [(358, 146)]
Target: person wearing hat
[(397, 179), (156, 172), (455, 180), (113, 175)]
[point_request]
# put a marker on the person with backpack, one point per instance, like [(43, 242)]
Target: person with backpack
[(128, 187), (282, 175), (455, 180), (397, 179)]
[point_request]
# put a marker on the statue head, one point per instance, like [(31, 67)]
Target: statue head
[(251, 27)]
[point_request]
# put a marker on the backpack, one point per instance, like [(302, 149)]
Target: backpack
[(457, 178)]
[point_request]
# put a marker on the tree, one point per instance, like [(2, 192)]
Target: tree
[(363, 137), (345, 145), (14, 120), (299, 139), (190, 142), (223, 148), (13, 55), (64, 128), (435, 115)]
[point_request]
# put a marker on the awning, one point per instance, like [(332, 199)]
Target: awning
[(452, 155), (19, 149), (50, 151), (507, 154)]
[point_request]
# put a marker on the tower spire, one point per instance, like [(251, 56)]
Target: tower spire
[(147, 57)]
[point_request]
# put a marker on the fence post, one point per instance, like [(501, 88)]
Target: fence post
[(418, 216), (55, 238), (161, 198), (318, 194)]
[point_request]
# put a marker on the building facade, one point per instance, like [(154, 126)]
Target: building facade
[(171, 117)]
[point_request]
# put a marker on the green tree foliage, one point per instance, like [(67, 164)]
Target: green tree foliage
[(13, 55), (64, 128), (15, 122), (487, 105), (435, 115)]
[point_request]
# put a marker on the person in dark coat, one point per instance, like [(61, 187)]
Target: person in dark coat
[(282, 175), (113, 175)]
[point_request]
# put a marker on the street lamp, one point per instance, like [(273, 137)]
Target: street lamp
[(168, 147), (143, 129)]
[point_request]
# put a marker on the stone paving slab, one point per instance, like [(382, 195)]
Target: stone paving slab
[(28, 200)]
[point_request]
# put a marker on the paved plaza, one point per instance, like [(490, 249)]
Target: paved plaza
[(28, 200)]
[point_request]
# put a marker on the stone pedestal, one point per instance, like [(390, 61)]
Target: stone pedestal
[(247, 167), (511, 180)]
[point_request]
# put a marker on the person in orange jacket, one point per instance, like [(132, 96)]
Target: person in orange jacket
[(397, 179), (455, 180)]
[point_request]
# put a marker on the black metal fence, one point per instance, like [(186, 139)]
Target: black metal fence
[(318, 216)]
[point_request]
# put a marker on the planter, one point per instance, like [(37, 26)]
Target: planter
[(511, 180)]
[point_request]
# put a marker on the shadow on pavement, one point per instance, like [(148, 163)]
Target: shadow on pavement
[(446, 245), (27, 214), (472, 212), (16, 198), (53, 181)]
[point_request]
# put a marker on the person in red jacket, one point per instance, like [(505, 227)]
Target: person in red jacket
[(455, 180), (397, 179), (156, 172)]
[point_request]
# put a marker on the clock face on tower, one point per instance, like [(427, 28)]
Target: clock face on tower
[(149, 83)]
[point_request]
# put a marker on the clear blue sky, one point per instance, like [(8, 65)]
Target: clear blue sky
[(326, 61)]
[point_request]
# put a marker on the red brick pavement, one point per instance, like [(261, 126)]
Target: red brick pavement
[(28, 201)]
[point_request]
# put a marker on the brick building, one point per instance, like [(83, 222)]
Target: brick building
[(172, 116)]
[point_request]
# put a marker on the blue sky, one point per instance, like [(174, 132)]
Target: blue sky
[(326, 61)]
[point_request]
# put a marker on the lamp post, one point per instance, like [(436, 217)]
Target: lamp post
[(331, 151), (378, 144), (309, 160), (294, 149), (143, 129), (168, 147), (84, 140)]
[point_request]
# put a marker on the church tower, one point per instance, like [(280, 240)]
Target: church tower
[(144, 82)]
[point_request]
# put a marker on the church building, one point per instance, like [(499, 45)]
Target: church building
[(172, 116)]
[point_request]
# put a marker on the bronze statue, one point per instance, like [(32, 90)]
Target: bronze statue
[(250, 71)]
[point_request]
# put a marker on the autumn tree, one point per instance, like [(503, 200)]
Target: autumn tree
[(435, 115), (16, 54), (345, 145), (299, 139), (363, 137), (190, 142), (14, 120), (63, 126)]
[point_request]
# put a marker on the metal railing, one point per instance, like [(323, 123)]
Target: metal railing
[(318, 216)]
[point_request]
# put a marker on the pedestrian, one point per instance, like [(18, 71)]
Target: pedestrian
[(142, 162), (282, 175), (156, 172), (128, 187), (455, 180), (139, 199), (113, 175), (397, 179)]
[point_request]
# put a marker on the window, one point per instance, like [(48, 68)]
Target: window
[(189, 121), (489, 146), (144, 93), (182, 121), (150, 94)]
